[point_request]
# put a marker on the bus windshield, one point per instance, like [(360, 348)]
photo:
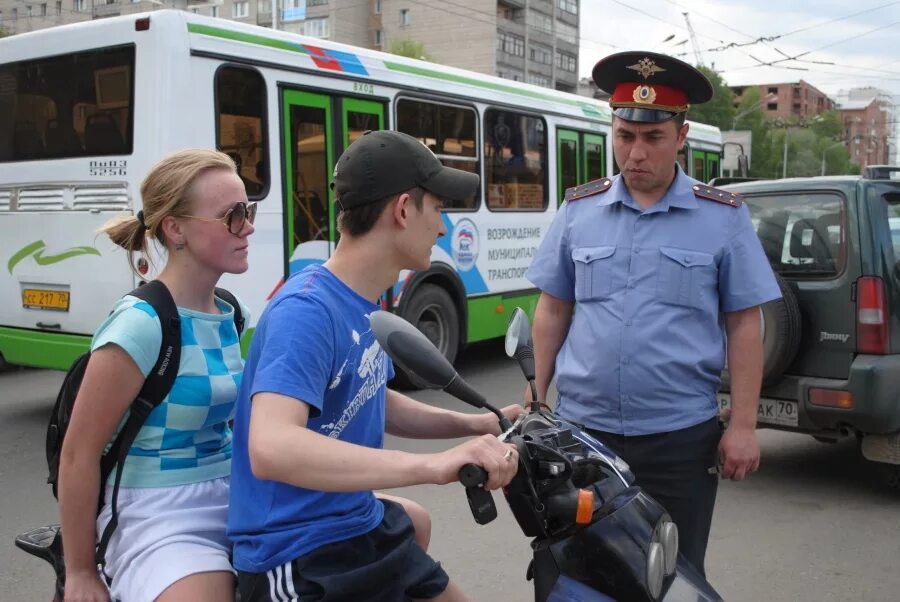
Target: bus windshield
[(71, 105)]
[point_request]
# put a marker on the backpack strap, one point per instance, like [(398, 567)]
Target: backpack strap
[(157, 385), (231, 300)]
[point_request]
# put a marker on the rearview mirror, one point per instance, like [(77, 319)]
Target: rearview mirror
[(518, 332), (417, 355)]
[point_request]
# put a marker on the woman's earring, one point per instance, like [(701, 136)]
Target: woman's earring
[(179, 246)]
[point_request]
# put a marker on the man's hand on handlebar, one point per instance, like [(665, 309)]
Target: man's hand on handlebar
[(500, 460), (488, 423)]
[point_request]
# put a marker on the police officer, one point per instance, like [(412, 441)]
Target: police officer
[(662, 268)]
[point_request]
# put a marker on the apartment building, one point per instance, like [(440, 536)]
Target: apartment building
[(870, 124), (534, 41), (795, 100)]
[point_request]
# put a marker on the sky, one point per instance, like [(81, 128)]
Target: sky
[(860, 40)]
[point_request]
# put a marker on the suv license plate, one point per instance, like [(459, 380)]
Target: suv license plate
[(782, 412), (40, 298)]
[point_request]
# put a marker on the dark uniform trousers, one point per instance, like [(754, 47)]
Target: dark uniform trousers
[(674, 468)]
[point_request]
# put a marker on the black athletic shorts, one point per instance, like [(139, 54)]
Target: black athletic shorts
[(383, 565)]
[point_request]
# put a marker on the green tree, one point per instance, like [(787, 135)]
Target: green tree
[(411, 49), (763, 154), (720, 110)]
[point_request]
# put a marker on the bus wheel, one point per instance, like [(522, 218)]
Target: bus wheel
[(433, 312)]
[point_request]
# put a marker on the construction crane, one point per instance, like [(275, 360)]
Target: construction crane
[(697, 56)]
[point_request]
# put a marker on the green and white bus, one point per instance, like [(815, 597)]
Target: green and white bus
[(87, 109)]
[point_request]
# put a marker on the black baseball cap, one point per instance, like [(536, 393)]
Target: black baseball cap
[(383, 163)]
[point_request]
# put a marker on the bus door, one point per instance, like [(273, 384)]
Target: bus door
[(317, 128), (581, 158), (712, 165), (699, 166)]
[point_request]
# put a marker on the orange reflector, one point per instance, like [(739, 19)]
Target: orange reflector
[(499, 309), (142, 24), (831, 398), (585, 511)]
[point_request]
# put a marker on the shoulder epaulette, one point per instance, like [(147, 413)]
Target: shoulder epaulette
[(715, 194), (593, 187)]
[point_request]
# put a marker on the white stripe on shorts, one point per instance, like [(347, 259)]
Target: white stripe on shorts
[(281, 584), (273, 578), (289, 582)]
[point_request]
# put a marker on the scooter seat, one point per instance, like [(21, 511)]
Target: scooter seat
[(43, 542)]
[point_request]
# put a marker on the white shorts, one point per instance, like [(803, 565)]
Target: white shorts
[(165, 534)]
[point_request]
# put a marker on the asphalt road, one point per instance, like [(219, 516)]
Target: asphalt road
[(813, 524)]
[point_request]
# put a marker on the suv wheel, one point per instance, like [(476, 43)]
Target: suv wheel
[(781, 332)]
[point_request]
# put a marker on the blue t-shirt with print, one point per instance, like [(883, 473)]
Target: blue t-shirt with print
[(313, 343), (186, 438)]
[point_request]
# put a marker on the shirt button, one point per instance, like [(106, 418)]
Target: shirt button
[(637, 250), (625, 360), (630, 284), (687, 259), (627, 322)]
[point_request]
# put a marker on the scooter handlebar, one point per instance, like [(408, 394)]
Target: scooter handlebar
[(481, 502), (472, 475)]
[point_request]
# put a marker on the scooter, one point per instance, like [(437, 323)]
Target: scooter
[(596, 536)]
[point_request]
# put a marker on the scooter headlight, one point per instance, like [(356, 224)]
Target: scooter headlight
[(668, 537), (656, 566)]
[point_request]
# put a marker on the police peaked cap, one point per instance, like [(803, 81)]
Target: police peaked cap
[(649, 87)]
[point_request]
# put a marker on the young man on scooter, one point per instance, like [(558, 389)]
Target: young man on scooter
[(313, 405), (662, 267)]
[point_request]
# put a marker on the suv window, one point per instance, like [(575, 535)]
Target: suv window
[(892, 200), (802, 234)]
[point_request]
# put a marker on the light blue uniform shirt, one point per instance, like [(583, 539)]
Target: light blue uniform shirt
[(646, 345)]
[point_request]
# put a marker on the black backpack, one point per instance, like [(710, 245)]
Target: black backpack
[(155, 389)]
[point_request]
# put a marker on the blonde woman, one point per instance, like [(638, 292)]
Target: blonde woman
[(170, 541)]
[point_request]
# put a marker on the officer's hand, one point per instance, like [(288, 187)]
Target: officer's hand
[(738, 453), (500, 460)]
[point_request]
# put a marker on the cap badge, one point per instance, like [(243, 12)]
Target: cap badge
[(644, 95), (646, 67)]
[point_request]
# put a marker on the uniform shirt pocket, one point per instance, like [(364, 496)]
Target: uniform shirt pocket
[(686, 277), (593, 272)]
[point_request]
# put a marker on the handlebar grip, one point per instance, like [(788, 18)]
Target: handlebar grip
[(472, 475)]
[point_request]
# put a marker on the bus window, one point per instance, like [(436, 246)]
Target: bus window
[(699, 166), (568, 162), (594, 157), (681, 159), (515, 156), (712, 165), (241, 125), (72, 105), (449, 131)]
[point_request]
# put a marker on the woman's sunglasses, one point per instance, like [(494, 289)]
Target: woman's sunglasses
[(234, 218)]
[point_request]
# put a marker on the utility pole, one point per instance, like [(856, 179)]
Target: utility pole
[(690, 28)]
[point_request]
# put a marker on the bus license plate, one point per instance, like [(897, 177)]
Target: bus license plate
[(783, 412), (39, 298)]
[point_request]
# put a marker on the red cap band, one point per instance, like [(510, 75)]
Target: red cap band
[(649, 96)]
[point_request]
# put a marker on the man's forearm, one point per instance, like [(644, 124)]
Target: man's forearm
[(406, 417), (303, 458), (552, 319), (745, 365)]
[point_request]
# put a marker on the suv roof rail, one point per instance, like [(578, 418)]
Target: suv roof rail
[(881, 172), (724, 180)]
